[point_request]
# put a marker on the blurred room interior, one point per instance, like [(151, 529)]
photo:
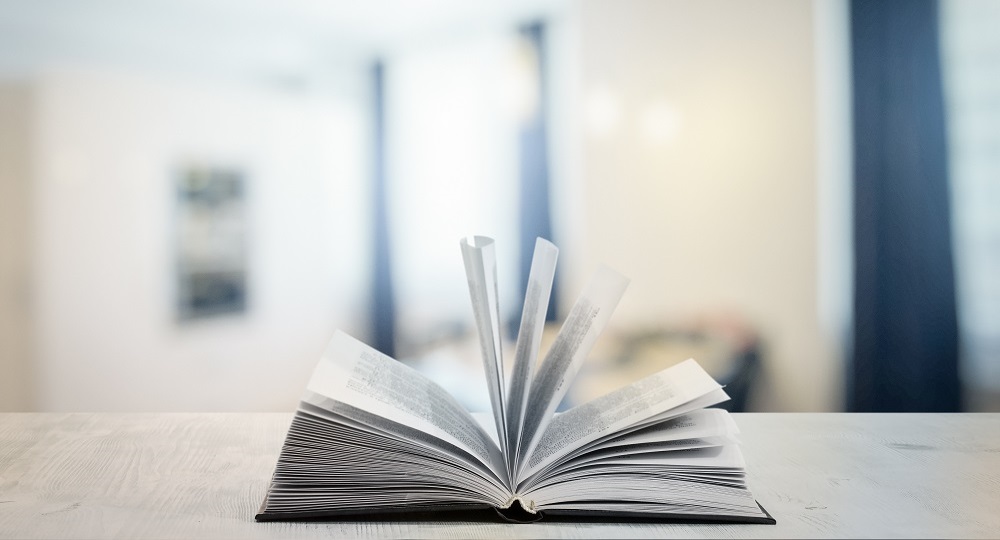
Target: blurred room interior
[(195, 194)]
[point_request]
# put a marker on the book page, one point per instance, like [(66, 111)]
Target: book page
[(576, 338), (529, 338), (696, 429), (723, 456), (344, 459), (479, 255), (708, 481), (626, 406), (701, 423), (485, 421), (353, 373), (712, 398)]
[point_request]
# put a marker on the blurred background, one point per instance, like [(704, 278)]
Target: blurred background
[(195, 194)]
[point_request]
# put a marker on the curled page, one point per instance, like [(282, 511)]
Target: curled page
[(529, 338), (572, 345), (624, 407), (712, 398), (479, 254), (355, 374)]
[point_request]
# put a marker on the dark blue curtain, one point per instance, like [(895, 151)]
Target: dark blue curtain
[(383, 302), (535, 215), (905, 325)]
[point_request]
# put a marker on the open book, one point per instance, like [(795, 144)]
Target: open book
[(373, 436)]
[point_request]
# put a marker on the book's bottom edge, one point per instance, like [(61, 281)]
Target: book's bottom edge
[(485, 513), (470, 512), (599, 516)]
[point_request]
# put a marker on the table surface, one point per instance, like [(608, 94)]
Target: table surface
[(204, 476)]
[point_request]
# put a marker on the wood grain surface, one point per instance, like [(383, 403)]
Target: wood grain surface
[(204, 476)]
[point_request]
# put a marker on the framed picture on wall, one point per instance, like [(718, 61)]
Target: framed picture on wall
[(210, 229)]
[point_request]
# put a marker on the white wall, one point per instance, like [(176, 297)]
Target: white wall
[(106, 144), (15, 199), (699, 173)]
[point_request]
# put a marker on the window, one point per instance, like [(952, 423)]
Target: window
[(971, 52), (451, 147)]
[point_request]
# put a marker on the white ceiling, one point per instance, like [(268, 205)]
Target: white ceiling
[(241, 36)]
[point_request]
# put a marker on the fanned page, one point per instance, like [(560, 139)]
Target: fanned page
[(688, 466), (628, 406), (649, 448), (574, 341), (479, 255), (529, 337), (372, 435)]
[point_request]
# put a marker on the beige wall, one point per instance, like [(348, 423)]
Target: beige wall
[(15, 230), (108, 142), (699, 171)]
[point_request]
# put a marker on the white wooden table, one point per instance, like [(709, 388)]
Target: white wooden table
[(204, 475)]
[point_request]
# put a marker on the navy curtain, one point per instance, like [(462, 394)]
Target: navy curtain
[(535, 217), (383, 302), (905, 325)]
